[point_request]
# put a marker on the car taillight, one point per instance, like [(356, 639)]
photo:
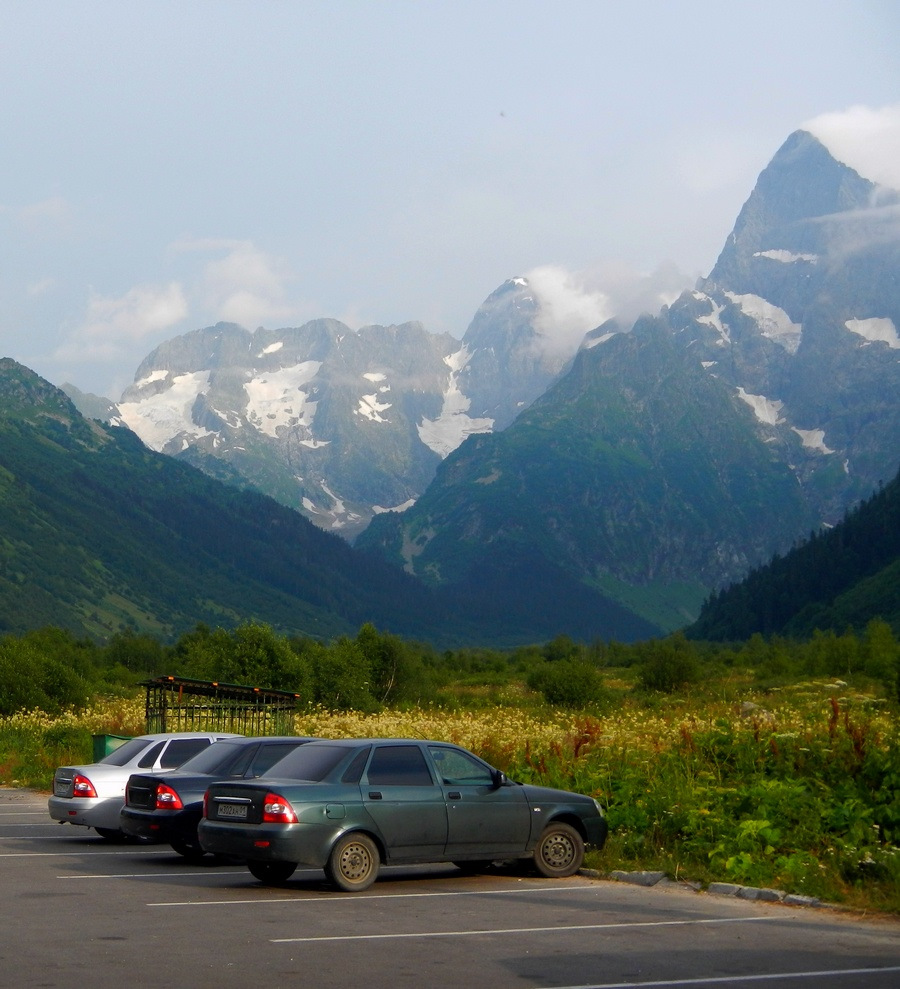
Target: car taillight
[(206, 804), (167, 798), (276, 810), (82, 787)]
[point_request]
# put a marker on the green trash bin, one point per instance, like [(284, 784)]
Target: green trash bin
[(105, 744)]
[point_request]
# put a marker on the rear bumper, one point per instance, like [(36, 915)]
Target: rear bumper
[(89, 812), (305, 844), (160, 826)]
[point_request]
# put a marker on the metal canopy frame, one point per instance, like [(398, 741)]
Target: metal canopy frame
[(182, 704)]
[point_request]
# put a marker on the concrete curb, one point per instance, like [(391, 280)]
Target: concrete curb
[(760, 894)]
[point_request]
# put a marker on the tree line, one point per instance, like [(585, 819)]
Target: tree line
[(51, 669)]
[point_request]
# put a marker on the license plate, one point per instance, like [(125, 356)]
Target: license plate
[(238, 811), (61, 788)]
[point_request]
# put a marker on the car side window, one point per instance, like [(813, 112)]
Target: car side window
[(151, 755), (353, 773), (399, 765), (267, 755), (179, 750), (458, 768)]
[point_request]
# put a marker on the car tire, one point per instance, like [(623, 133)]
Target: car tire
[(353, 863), (191, 850), (560, 851), (272, 873), (111, 834)]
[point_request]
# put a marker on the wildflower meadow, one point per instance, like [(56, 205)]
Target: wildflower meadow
[(795, 788)]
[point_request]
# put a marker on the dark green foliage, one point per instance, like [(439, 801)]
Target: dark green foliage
[(668, 664), (845, 576), (46, 670), (569, 683)]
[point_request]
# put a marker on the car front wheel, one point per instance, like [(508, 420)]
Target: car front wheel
[(353, 863), (272, 873), (560, 851)]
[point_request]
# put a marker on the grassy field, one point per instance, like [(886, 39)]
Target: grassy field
[(796, 788)]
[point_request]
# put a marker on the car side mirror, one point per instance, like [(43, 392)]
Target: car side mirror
[(498, 779)]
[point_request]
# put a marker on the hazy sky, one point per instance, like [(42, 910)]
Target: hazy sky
[(169, 164)]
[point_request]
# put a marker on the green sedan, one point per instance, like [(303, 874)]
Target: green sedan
[(348, 805)]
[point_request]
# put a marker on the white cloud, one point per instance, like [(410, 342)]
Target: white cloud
[(866, 139), (54, 215), (244, 285), (568, 308), (572, 303), (112, 325), (40, 287)]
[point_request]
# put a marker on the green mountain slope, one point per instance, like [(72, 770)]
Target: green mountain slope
[(637, 475), (98, 533), (838, 578)]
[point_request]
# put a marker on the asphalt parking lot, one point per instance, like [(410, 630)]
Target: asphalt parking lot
[(80, 911)]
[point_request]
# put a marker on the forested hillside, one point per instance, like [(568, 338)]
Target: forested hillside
[(838, 578), (99, 534)]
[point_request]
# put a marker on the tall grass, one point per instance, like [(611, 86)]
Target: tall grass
[(800, 793)]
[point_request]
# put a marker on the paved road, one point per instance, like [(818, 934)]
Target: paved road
[(80, 912)]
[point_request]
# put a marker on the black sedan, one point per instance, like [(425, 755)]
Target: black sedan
[(347, 806), (168, 807)]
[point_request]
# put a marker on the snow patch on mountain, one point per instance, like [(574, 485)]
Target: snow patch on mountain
[(813, 439), (876, 330), (380, 509), (773, 323), (277, 399), (786, 257), (160, 374), (370, 408), (766, 410), (158, 418), (454, 424), (713, 319), (591, 342)]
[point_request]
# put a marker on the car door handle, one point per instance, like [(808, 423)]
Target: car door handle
[(374, 794), (454, 795)]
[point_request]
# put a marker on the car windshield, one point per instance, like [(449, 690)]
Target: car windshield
[(309, 762), (211, 759), (126, 751)]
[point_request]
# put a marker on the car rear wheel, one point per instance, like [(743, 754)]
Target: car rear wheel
[(191, 850), (272, 873), (353, 863), (560, 851), (110, 834)]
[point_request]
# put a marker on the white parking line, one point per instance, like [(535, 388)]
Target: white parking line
[(521, 930), (92, 852), (718, 980), (338, 898), (150, 875), (38, 837)]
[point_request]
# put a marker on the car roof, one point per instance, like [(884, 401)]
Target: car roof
[(251, 739), (380, 741), (156, 736)]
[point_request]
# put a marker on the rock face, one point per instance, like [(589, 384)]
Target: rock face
[(338, 424)]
